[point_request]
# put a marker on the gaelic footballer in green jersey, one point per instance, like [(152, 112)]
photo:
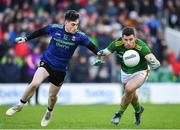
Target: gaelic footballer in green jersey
[(132, 77), (140, 47)]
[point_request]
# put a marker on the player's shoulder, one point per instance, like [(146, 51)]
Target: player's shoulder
[(118, 42), (81, 33), (59, 26), (140, 42)]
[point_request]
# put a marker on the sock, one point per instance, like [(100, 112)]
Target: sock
[(137, 108), (21, 103), (50, 110), (121, 110)]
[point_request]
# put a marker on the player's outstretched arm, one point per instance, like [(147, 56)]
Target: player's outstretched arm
[(104, 52), (102, 55), (154, 63), (93, 48), (98, 62), (33, 35)]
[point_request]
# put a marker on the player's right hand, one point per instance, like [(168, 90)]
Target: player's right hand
[(101, 53), (98, 62), (20, 39)]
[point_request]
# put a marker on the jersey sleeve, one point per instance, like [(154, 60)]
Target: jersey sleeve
[(145, 49), (49, 29), (52, 27), (112, 47), (85, 41)]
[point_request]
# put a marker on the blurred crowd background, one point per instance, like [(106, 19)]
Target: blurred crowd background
[(102, 20)]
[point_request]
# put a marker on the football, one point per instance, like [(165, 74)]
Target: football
[(131, 58)]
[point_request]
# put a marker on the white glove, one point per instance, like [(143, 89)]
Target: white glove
[(98, 62), (153, 65), (20, 39)]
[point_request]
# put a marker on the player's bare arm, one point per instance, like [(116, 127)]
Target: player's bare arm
[(154, 63), (105, 52), (102, 56)]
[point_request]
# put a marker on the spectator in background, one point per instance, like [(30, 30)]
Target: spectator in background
[(172, 11), (51, 7), (91, 7), (118, 73), (22, 50), (26, 16), (165, 72), (153, 77), (4, 45), (76, 5), (103, 38), (12, 34), (10, 71), (111, 9), (80, 72), (104, 73), (147, 7), (160, 46), (173, 62)]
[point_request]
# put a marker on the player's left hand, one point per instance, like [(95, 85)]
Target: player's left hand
[(98, 62), (101, 53), (153, 65)]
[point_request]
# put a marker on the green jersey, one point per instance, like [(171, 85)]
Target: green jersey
[(140, 46)]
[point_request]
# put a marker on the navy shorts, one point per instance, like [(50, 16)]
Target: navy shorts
[(55, 77)]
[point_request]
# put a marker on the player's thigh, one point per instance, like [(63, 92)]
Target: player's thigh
[(135, 82), (40, 75), (53, 90)]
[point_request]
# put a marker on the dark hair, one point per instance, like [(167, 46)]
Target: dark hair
[(71, 15), (129, 31)]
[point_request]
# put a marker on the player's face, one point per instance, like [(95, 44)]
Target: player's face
[(129, 41), (71, 26)]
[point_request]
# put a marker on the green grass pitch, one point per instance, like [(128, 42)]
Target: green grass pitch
[(92, 117)]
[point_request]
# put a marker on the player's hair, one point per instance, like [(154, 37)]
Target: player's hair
[(129, 31), (71, 15)]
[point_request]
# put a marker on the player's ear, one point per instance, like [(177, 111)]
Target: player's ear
[(65, 22)]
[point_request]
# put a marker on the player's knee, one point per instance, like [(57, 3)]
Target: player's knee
[(129, 89), (34, 85)]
